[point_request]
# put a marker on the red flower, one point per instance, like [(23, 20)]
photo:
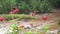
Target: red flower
[(44, 18), (1, 19), (14, 11)]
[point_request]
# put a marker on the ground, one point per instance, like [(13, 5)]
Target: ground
[(53, 18)]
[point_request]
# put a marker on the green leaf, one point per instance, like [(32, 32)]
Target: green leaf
[(20, 28)]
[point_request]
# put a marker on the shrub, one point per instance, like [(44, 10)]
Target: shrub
[(6, 5), (25, 6)]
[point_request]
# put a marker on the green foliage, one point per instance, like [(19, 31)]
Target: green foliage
[(28, 33), (45, 6), (26, 17), (15, 29), (22, 5), (40, 6), (34, 32), (6, 6), (58, 22), (17, 17), (46, 27), (10, 17), (58, 32), (55, 2), (27, 6)]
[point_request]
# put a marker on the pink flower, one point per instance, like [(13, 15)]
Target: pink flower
[(16, 10), (1, 19), (32, 14), (31, 24)]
